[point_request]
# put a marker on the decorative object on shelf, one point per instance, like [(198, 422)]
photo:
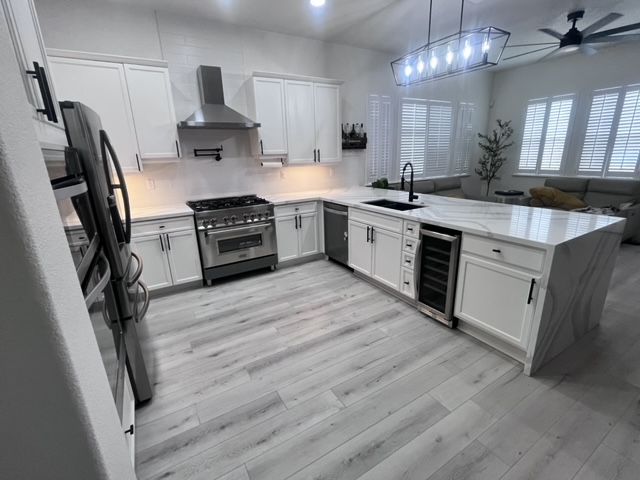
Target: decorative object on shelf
[(493, 147), (461, 52), (209, 152), (381, 183), (353, 136), (581, 40)]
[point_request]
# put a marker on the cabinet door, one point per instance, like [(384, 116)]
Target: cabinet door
[(287, 237), (387, 253), (269, 101), (327, 119), (103, 88), (153, 113), (495, 298), (360, 248), (301, 130), (22, 21), (184, 257), (156, 272), (308, 228)]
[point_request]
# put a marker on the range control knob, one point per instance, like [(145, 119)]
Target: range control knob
[(246, 217), (233, 219), (253, 217), (225, 220)]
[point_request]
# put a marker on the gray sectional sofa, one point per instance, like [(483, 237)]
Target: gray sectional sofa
[(446, 186), (606, 192)]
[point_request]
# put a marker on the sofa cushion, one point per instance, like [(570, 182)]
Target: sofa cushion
[(552, 197), (421, 186), (603, 192), (575, 186), (449, 187)]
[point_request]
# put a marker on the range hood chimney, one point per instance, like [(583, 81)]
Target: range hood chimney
[(214, 114)]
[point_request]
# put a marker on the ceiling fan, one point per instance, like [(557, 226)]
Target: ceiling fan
[(581, 40)]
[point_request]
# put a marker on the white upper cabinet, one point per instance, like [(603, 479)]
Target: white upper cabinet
[(134, 102), (327, 122), (102, 86), (29, 48), (269, 112), (301, 129), (153, 112)]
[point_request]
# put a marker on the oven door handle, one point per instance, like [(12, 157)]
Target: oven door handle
[(238, 229)]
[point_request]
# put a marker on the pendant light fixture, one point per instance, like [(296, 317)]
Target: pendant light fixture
[(461, 52)]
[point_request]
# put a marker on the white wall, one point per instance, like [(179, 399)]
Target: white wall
[(57, 415), (580, 74), (187, 42)]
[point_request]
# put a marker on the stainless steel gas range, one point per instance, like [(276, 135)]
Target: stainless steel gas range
[(235, 235)]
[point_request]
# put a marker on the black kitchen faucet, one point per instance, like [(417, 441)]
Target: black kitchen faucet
[(412, 197)]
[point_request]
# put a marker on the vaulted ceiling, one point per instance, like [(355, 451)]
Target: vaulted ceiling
[(396, 26)]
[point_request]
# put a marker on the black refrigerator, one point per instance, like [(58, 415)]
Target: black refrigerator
[(109, 272)]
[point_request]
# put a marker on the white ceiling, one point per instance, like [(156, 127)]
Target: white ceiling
[(397, 26)]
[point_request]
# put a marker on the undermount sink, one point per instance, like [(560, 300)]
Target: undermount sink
[(393, 205)]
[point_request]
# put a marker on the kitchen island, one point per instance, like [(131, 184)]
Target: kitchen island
[(568, 257)]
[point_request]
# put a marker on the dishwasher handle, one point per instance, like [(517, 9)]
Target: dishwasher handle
[(336, 212)]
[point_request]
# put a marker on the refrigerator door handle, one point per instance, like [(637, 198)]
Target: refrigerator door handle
[(136, 276), (105, 145)]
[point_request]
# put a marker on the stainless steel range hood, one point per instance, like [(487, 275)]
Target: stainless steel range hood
[(214, 114)]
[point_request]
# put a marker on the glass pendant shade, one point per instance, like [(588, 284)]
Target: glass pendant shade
[(459, 53)]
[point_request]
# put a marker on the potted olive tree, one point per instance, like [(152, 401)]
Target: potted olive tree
[(493, 147)]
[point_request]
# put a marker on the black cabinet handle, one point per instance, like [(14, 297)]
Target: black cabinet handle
[(161, 243), (496, 250), (300, 220), (410, 229), (533, 283), (261, 148), (314, 156), (177, 149), (168, 242), (129, 430), (138, 162), (318, 155), (296, 219), (372, 237), (48, 109), (368, 234), (407, 261), (406, 283)]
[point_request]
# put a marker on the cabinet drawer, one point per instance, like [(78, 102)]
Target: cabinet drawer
[(497, 250), (392, 224), (408, 260), (407, 283), (162, 226), (411, 229), (410, 245), (295, 208)]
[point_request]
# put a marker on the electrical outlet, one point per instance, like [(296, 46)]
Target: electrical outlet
[(151, 184)]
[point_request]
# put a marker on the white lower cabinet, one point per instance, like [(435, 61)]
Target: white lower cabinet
[(169, 252), (496, 298), (375, 252), (297, 231)]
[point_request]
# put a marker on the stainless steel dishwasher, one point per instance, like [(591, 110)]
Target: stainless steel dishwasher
[(336, 232)]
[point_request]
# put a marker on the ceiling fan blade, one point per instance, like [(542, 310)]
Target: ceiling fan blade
[(531, 45), (613, 38), (551, 32), (603, 22), (614, 31), (554, 53), (587, 50), (529, 53)]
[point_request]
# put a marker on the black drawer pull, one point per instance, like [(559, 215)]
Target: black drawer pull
[(496, 250), (406, 283), (533, 283), (129, 430), (407, 261)]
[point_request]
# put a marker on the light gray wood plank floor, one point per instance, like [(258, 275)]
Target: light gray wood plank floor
[(310, 373)]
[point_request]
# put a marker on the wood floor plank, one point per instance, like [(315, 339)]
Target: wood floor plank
[(606, 464), (372, 446), (624, 437), (219, 460), (434, 448), (205, 436), (166, 427), (307, 447), (475, 462)]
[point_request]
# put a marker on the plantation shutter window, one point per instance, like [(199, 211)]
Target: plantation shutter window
[(379, 141), (464, 139), (598, 134), (545, 134), (626, 149), (612, 139), (425, 136), (413, 134)]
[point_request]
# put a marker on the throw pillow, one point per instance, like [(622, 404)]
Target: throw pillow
[(552, 197)]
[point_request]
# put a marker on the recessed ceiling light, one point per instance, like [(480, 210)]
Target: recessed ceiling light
[(317, 3)]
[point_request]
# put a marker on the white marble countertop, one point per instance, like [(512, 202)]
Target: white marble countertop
[(71, 220), (539, 227)]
